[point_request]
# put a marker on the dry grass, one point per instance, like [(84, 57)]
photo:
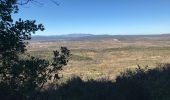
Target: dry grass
[(105, 58)]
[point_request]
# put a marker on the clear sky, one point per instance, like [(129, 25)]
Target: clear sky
[(115, 17)]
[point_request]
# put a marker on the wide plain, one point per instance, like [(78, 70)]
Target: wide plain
[(107, 57)]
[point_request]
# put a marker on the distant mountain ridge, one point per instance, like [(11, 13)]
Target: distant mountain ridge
[(70, 37), (94, 37), (78, 35)]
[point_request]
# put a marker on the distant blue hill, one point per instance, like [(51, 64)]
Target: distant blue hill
[(80, 37)]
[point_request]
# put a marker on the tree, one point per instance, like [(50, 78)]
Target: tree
[(21, 78)]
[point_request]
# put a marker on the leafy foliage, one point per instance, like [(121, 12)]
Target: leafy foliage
[(139, 84), (24, 77), (20, 78), (13, 35)]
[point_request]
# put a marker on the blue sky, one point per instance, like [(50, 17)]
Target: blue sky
[(117, 17)]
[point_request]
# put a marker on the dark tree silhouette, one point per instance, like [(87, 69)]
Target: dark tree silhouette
[(20, 78), (138, 84)]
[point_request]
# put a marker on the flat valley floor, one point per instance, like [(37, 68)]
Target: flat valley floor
[(105, 57)]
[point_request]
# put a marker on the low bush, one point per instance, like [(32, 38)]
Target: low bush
[(139, 84)]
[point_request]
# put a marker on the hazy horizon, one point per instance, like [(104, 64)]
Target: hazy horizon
[(95, 34), (113, 17)]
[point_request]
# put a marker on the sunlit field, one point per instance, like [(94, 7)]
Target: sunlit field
[(105, 57)]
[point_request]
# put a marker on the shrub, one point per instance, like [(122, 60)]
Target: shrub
[(139, 84)]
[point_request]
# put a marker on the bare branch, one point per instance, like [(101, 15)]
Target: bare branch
[(55, 2), (35, 2), (23, 3)]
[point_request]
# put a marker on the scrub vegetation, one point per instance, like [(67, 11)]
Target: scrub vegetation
[(99, 68)]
